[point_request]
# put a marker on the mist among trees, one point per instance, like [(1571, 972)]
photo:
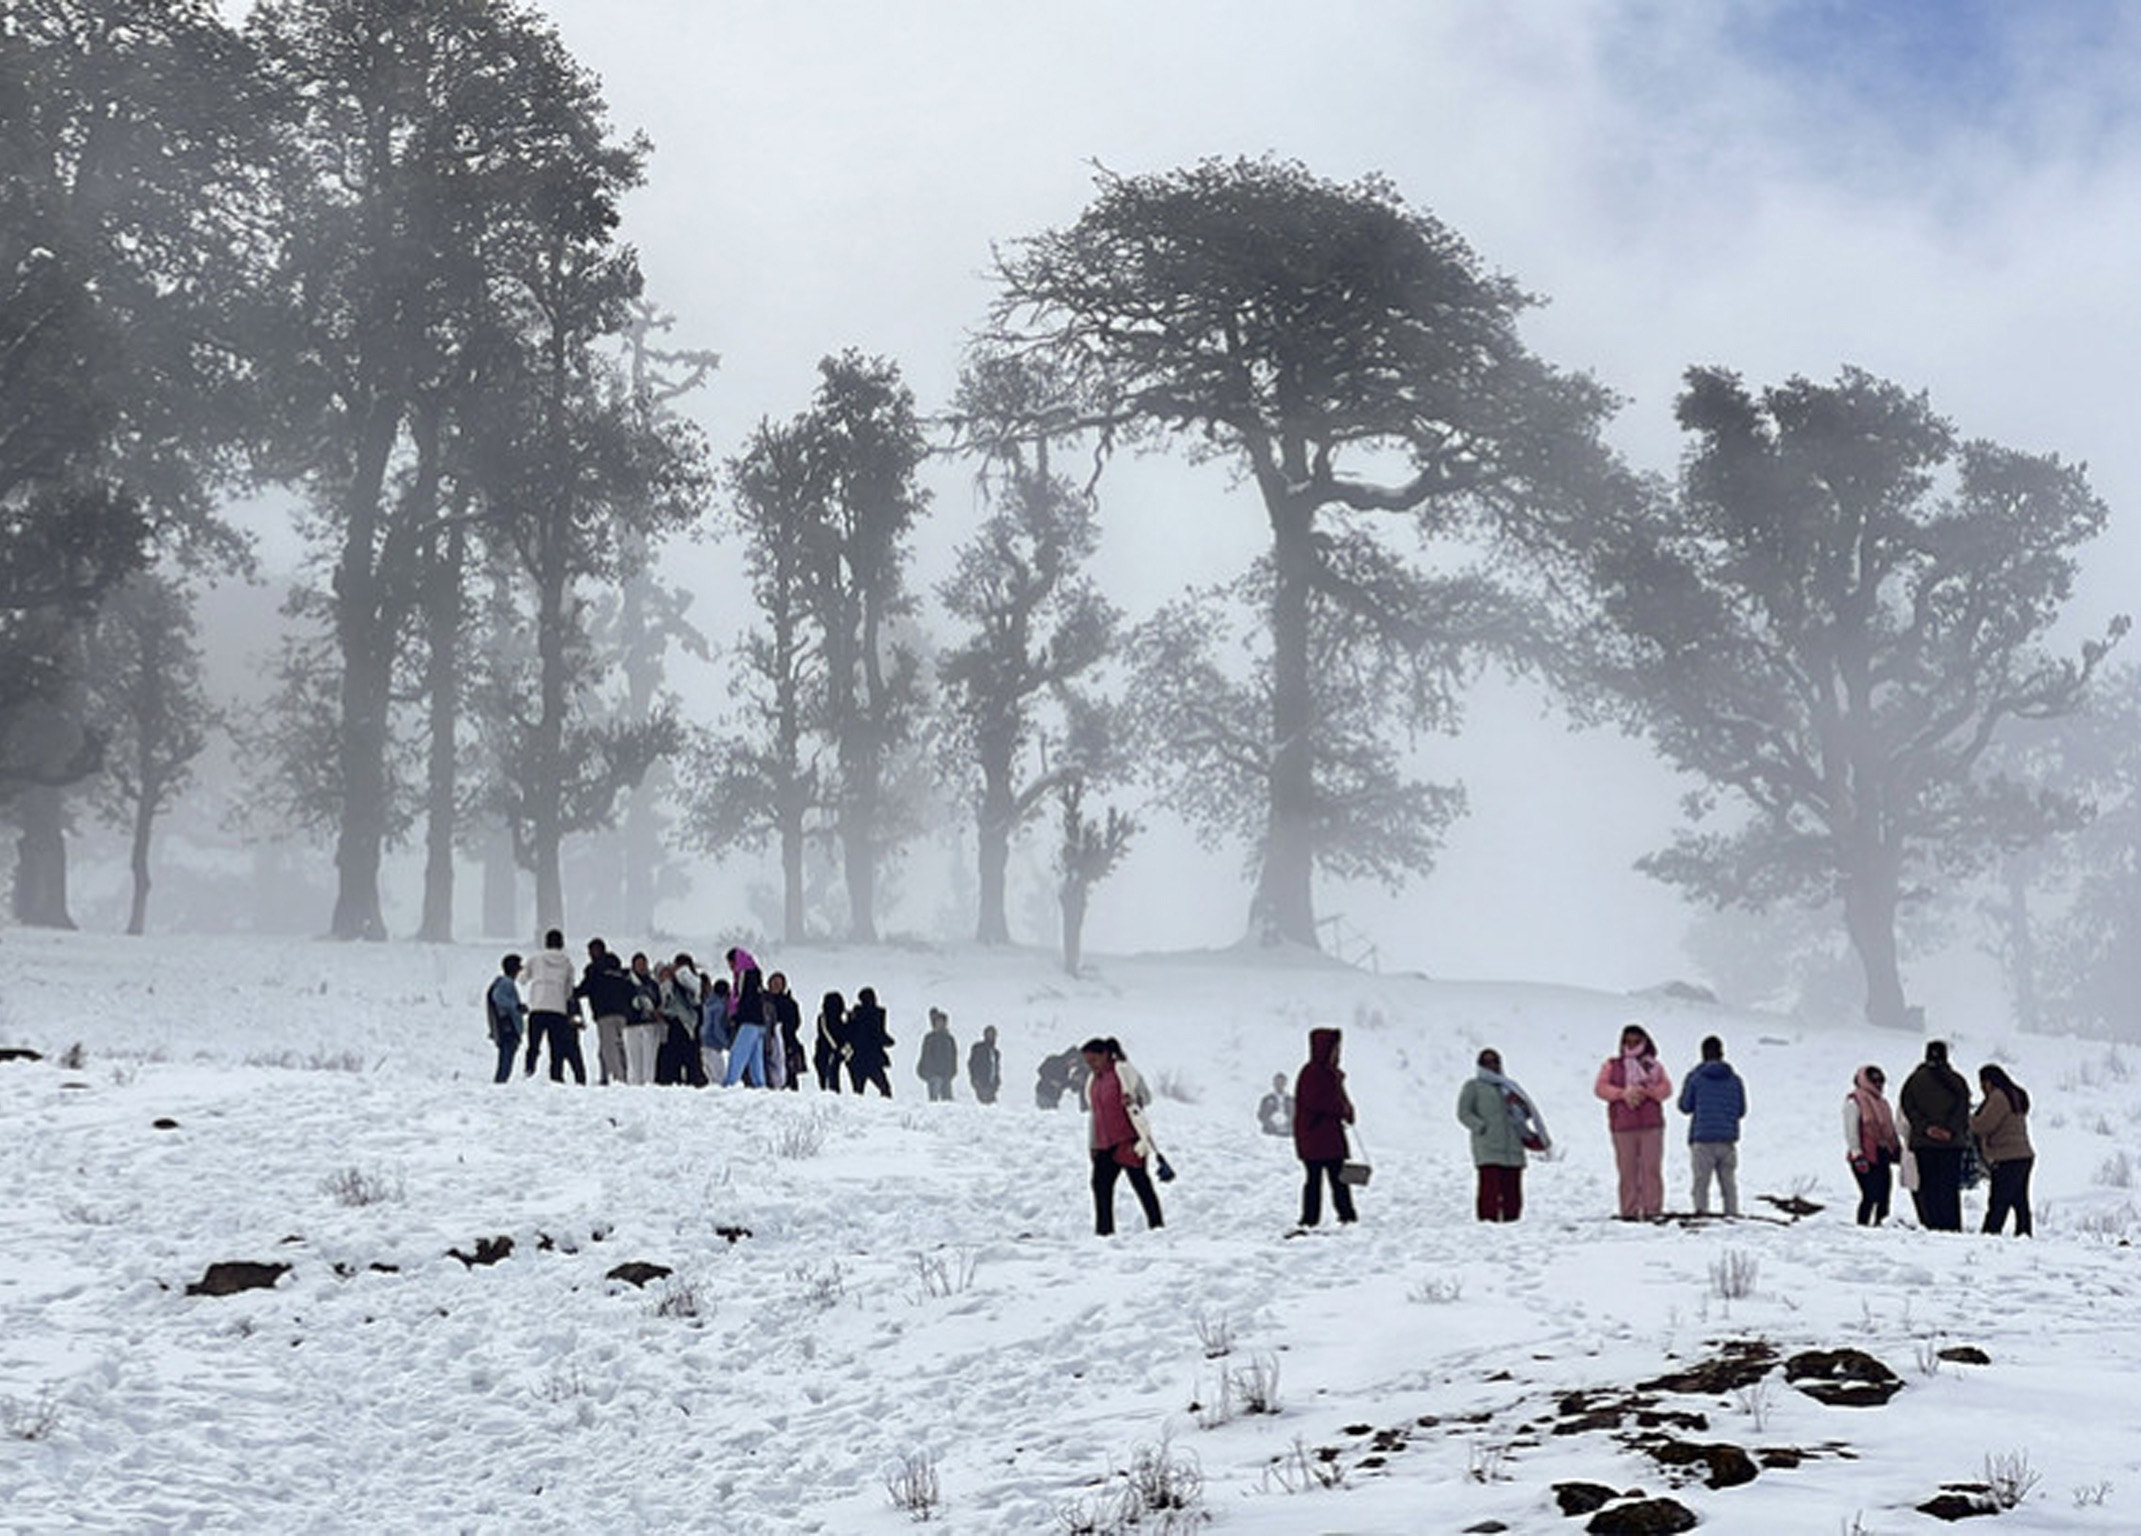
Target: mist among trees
[(366, 264)]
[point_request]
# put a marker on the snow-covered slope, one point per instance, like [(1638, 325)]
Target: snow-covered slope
[(908, 1283)]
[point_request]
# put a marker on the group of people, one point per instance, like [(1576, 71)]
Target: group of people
[(672, 1023), (1929, 1136)]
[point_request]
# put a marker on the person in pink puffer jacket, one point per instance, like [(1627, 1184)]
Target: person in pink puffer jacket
[(1636, 1087)]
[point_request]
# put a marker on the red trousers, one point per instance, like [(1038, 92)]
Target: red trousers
[(1501, 1193)]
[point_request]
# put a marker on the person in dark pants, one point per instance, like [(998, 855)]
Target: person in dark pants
[(1871, 1143), (869, 1044), (1936, 1101), (1121, 1138), (2001, 1126), (1321, 1114), (1505, 1126), (550, 1009), (508, 1016), (784, 1031), (985, 1066), (938, 1062), (829, 1045)]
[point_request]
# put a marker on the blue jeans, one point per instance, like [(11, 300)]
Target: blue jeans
[(747, 1057), (508, 1051)]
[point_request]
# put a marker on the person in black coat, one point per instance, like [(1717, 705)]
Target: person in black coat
[(1936, 1101), (869, 1044), (829, 1043), (786, 1035), (985, 1066)]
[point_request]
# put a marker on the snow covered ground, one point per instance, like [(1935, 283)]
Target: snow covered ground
[(918, 1285)]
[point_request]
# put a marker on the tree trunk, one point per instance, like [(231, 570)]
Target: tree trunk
[(137, 917), (1073, 897), (442, 686), (1284, 910), (547, 761), (993, 844), (1870, 918), (859, 864), (794, 929), (501, 885), (2022, 951), (362, 632), (41, 858), (361, 841)]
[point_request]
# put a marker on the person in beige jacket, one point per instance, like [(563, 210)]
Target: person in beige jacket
[(2001, 1125)]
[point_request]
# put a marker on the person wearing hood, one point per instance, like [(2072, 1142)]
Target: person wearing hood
[(1715, 1101), (1505, 1126), (1871, 1143), (1321, 1114), (1635, 1086), (1936, 1101)]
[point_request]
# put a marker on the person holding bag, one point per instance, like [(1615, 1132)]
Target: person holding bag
[(1321, 1114), (1635, 1085), (1871, 1143), (1121, 1135), (1505, 1126)]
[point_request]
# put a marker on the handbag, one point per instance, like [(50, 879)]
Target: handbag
[(1356, 1170)]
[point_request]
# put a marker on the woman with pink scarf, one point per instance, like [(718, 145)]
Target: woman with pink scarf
[(1871, 1142), (1635, 1086)]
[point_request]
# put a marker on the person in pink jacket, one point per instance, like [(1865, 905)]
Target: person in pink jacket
[(1636, 1088)]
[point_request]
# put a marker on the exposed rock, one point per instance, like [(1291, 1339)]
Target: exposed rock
[(1645, 1517), (1966, 1354), (1958, 1506), (231, 1276), (489, 1250), (1842, 1378), (1728, 1466), (1738, 1363), (163, 1123), (1794, 1206), (1485, 1528), (732, 1233), (19, 1053), (638, 1272), (1582, 1498)]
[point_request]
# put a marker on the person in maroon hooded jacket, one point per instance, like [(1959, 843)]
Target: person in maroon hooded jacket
[(1321, 1114)]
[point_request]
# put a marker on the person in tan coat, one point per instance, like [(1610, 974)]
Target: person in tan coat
[(2001, 1125)]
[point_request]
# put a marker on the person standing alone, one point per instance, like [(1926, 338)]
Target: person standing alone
[(1715, 1100), (1321, 1114)]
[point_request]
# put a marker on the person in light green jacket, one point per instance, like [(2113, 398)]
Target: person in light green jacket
[(1505, 1126)]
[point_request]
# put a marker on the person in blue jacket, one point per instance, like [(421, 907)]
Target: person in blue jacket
[(1715, 1100), (508, 1015)]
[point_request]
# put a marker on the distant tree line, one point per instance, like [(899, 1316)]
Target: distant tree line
[(370, 252)]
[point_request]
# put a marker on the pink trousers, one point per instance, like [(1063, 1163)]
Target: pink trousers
[(1641, 1158)]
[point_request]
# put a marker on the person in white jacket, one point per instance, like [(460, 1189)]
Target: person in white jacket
[(549, 977)]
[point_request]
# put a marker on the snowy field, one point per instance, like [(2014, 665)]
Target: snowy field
[(913, 1288)]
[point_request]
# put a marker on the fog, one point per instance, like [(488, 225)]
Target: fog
[(1942, 195)]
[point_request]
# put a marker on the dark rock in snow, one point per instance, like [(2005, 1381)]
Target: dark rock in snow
[(1958, 1506), (732, 1233), (18, 1053), (638, 1272), (489, 1250), (1966, 1354), (1842, 1378), (1582, 1498), (1739, 1363), (231, 1276), (1645, 1517), (163, 1123), (1728, 1465)]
